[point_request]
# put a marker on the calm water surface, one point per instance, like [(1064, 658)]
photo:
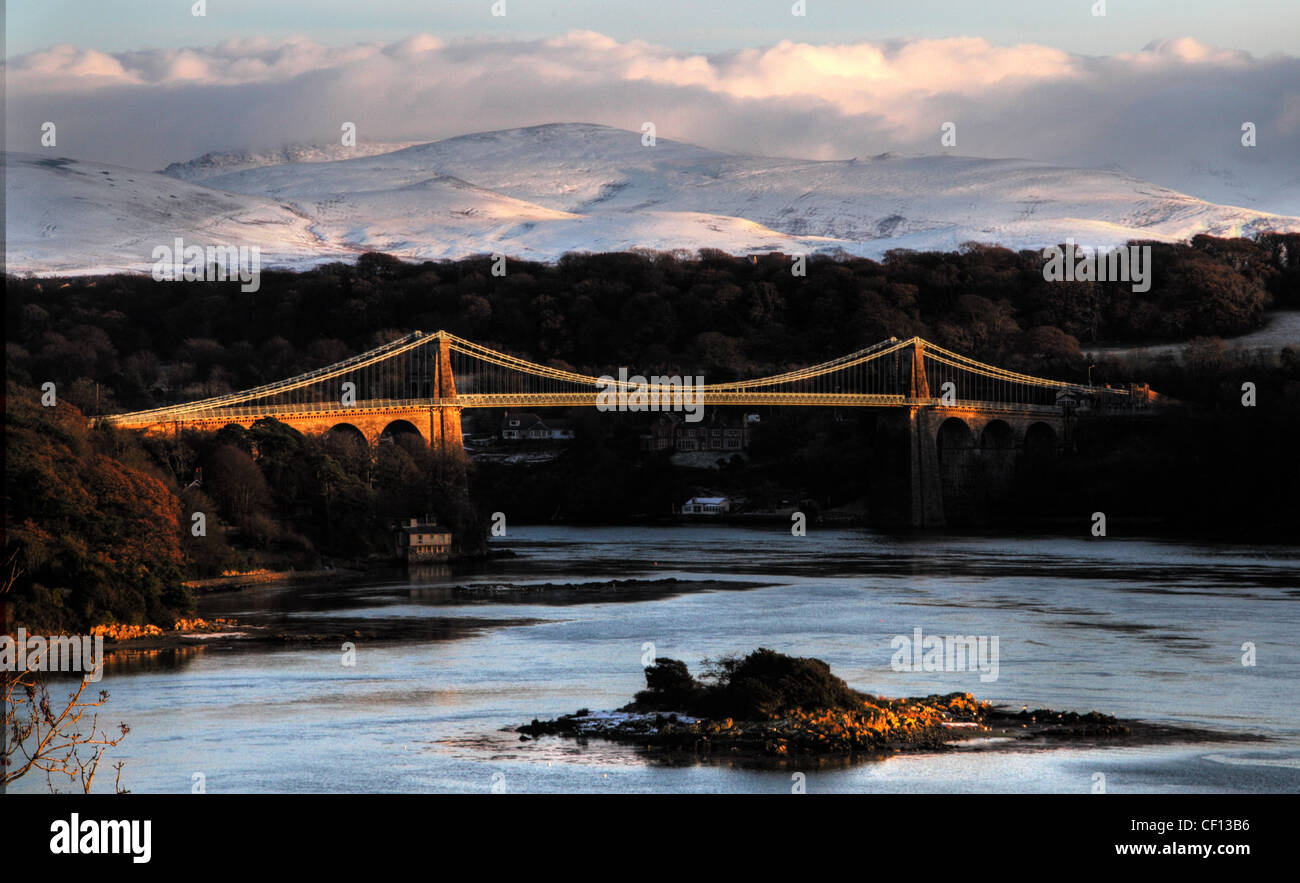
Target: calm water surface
[(1138, 628)]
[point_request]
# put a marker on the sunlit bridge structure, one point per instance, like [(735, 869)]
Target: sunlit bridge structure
[(951, 404)]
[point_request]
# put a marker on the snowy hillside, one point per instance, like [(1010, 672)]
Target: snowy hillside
[(542, 191), (224, 162), (68, 216)]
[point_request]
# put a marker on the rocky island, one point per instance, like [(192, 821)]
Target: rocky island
[(769, 705)]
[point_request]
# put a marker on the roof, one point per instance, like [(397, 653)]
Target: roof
[(407, 530), (707, 501), (526, 420)]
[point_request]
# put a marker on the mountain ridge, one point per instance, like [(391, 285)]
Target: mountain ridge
[(541, 191)]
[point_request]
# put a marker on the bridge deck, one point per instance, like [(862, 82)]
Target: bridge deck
[(552, 400)]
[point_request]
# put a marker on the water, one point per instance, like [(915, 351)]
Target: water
[(1138, 628)]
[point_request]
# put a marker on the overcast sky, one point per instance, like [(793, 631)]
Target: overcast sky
[(1158, 89), (1257, 26)]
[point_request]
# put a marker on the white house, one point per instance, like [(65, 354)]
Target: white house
[(520, 425), (706, 506)]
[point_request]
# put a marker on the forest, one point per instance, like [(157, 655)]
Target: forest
[(126, 342), (98, 522)]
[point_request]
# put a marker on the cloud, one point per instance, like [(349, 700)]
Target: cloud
[(1171, 112)]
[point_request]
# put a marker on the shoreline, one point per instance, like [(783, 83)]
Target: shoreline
[(289, 631), (350, 569), (1144, 528), (306, 632), (235, 582)]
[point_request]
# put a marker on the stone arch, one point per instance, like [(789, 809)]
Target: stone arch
[(397, 429), (232, 433), (958, 469), (1036, 471), (998, 456), (997, 436), (1040, 441), (345, 432), (954, 434)]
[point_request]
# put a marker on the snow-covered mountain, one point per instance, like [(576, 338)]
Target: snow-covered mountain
[(542, 191)]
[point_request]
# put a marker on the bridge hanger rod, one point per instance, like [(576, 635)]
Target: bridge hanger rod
[(486, 354), (503, 359), (992, 370), (1023, 379), (851, 360), (329, 372)]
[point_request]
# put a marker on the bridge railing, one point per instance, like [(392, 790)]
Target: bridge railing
[(139, 418)]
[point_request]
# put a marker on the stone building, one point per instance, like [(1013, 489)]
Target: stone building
[(422, 542)]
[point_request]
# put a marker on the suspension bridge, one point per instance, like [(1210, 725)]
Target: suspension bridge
[(421, 382)]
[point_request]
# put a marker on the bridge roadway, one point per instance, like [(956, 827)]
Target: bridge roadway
[(373, 417)]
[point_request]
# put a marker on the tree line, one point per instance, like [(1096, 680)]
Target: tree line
[(128, 342)]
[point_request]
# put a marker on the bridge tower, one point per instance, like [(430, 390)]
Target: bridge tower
[(444, 413), (920, 387), (925, 507)]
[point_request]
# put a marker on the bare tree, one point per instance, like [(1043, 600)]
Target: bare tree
[(59, 739)]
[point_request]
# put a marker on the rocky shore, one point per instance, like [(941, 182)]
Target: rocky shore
[(235, 581), (126, 642)]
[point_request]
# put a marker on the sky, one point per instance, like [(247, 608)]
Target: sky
[(1257, 26), (1159, 90)]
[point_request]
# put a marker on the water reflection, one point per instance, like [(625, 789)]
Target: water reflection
[(125, 660)]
